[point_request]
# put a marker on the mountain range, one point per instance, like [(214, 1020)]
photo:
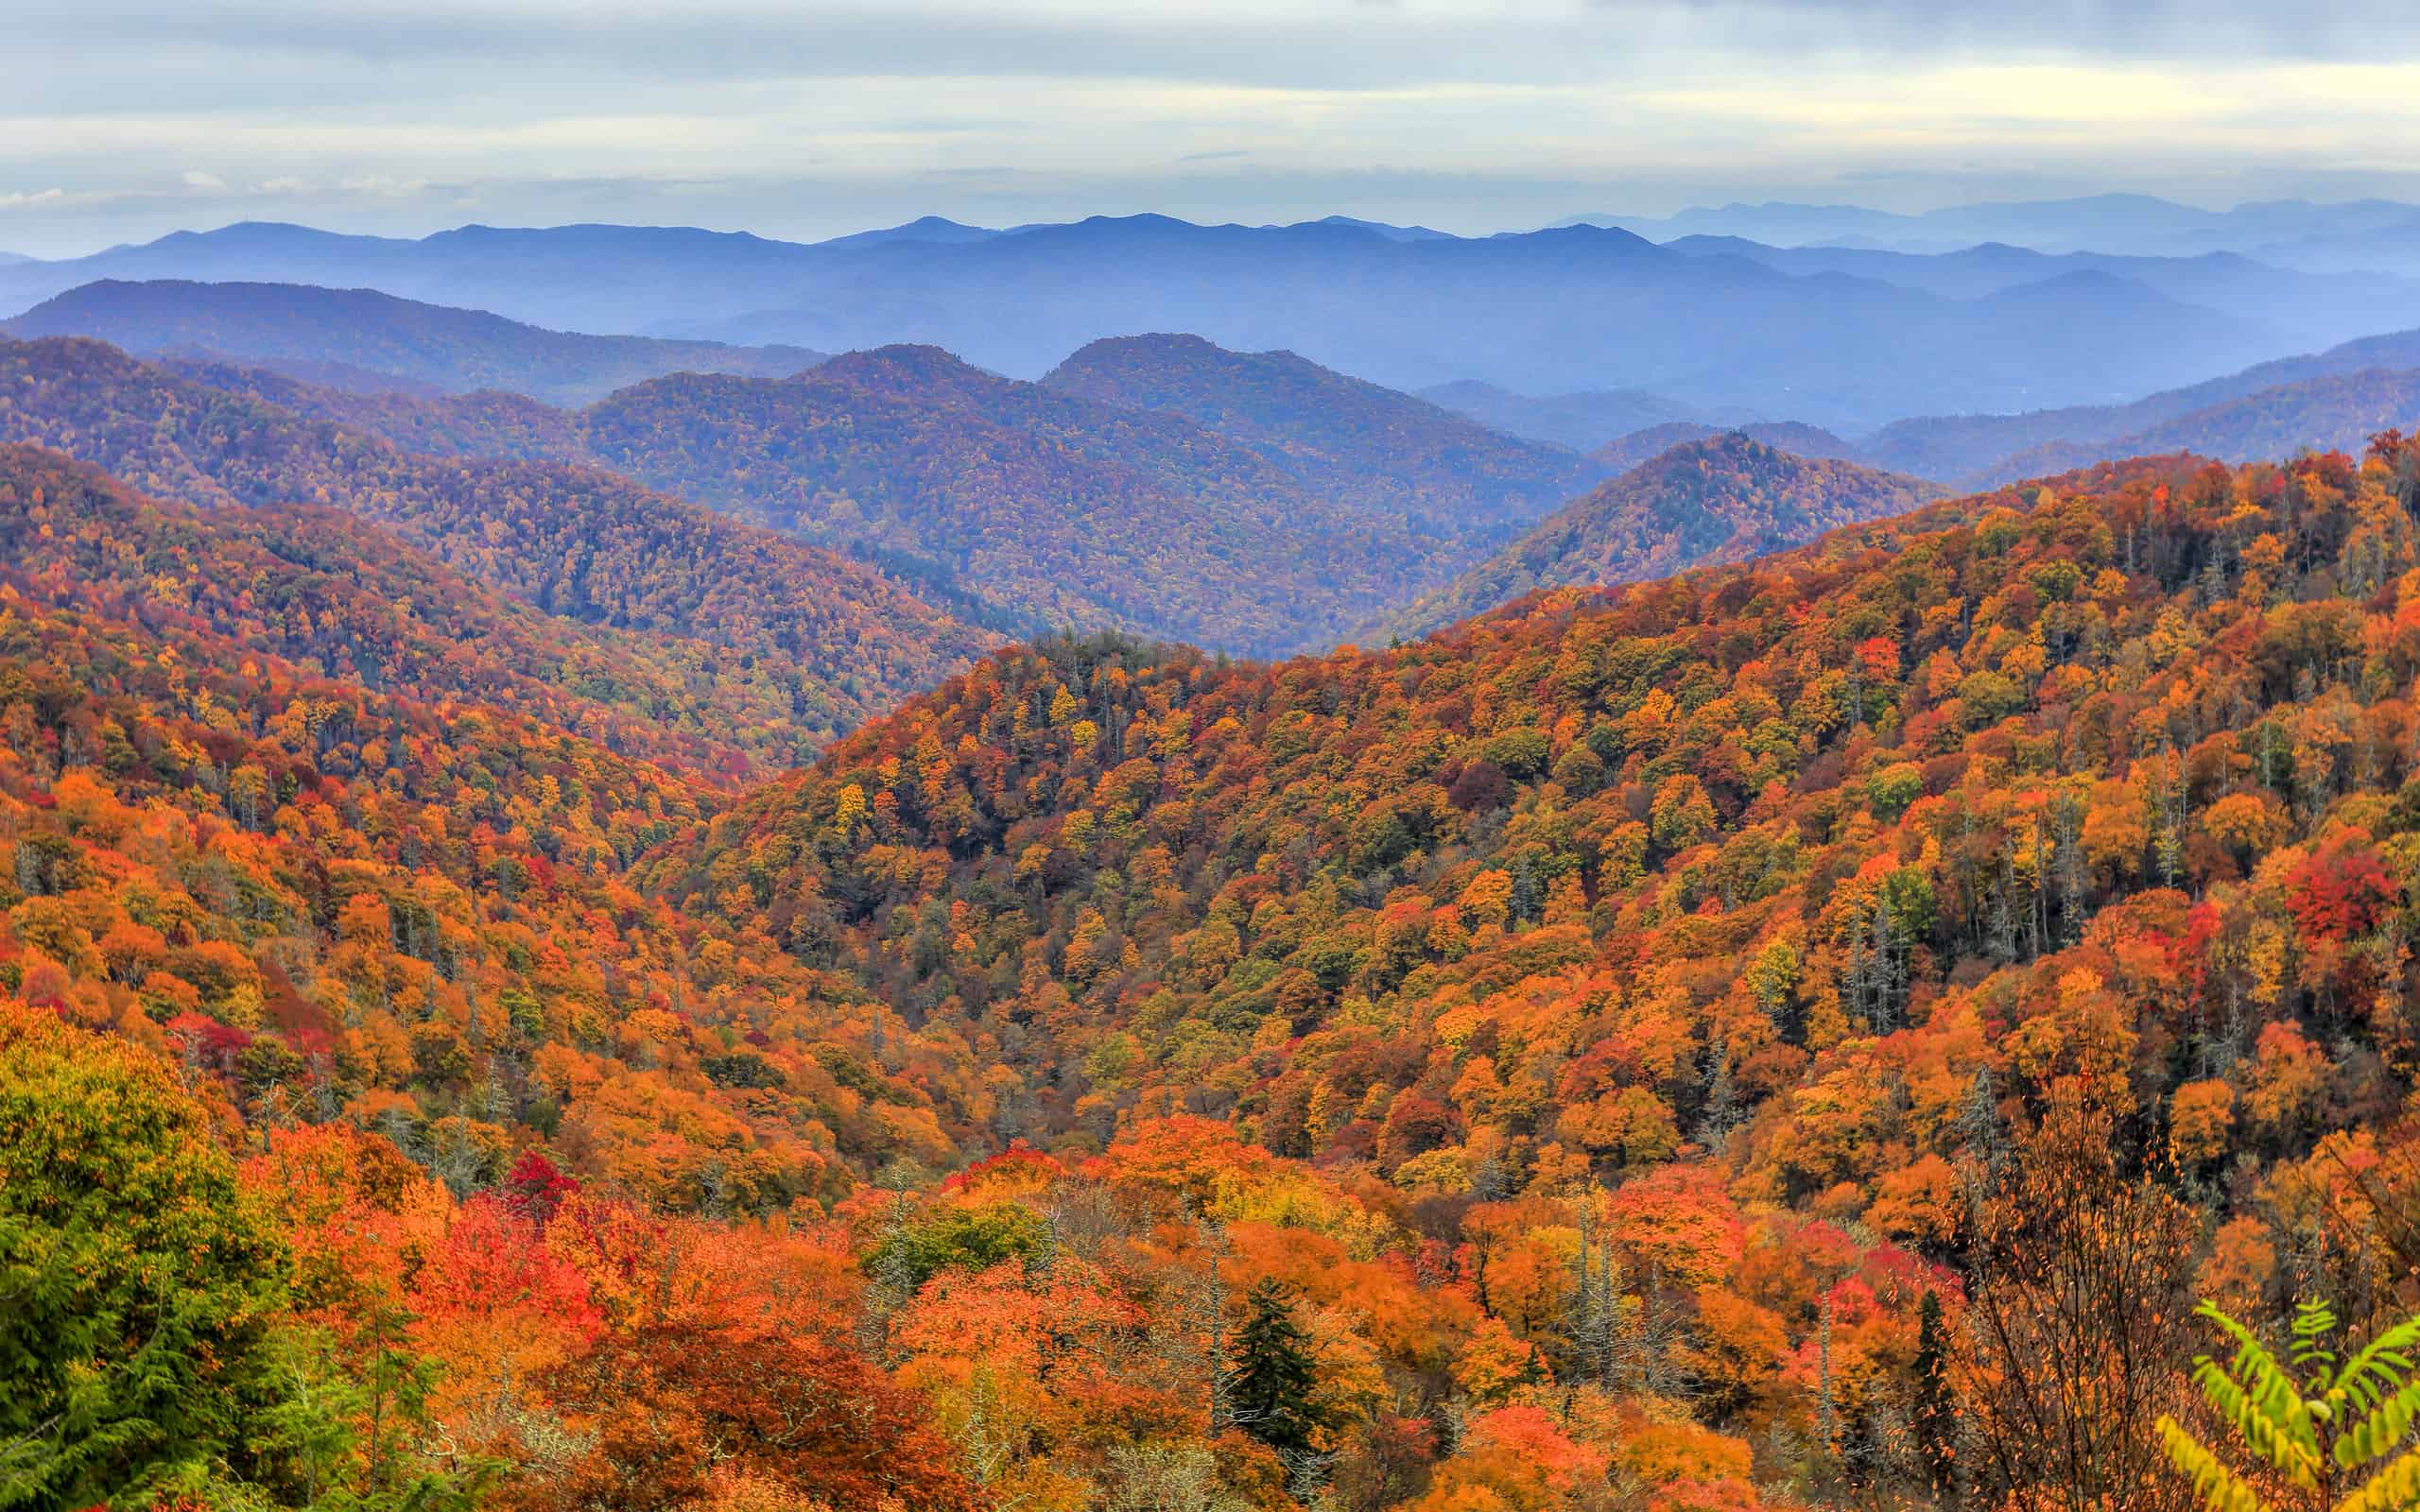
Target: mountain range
[(1254, 502), (1561, 310), (1286, 516), (2364, 234)]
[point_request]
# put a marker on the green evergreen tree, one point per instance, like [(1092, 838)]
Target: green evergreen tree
[(136, 1286), (1274, 1372), (144, 1351), (1936, 1408)]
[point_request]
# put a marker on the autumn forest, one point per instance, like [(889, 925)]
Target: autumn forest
[(617, 922)]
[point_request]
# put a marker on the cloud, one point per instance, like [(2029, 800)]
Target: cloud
[(379, 186), (390, 114)]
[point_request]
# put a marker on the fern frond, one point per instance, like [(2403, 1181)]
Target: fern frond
[(2375, 1433), (2220, 1489), (2260, 1402), (2393, 1489), (2383, 1365), (2265, 1428)]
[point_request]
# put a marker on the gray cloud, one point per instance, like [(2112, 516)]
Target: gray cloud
[(128, 118)]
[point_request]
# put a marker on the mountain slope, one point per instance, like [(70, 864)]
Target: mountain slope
[(1722, 499), (824, 641), (1614, 1028), (346, 600), (1728, 867), (1017, 506), (1350, 441), (364, 332), (1046, 505), (324, 830)]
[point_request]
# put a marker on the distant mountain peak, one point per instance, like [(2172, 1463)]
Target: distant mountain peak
[(903, 366), (1724, 496)]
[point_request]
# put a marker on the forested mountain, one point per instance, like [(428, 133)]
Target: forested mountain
[(1797, 1034), (488, 424), (823, 641), (1056, 508), (342, 599), (1626, 452), (368, 942), (353, 338), (1545, 312), (1019, 506), (1723, 498), (1349, 442)]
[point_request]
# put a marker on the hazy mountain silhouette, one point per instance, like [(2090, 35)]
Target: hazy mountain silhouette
[(1546, 312)]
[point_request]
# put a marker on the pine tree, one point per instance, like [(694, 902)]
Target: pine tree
[(1274, 1372), (1936, 1409)]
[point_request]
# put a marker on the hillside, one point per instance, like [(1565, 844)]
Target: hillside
[(823, 641), (1725, 498), (1052, 507), (355, 337), (345, 600), (298, 791), (1375, 450), (1905, 910), (488, 424), (1611, 1029)]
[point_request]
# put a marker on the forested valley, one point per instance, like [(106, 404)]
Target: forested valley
[(1799, 1033)]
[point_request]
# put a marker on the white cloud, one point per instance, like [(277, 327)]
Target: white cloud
[(813, 119)]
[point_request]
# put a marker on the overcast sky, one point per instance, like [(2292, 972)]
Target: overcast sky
[(804, 118)]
